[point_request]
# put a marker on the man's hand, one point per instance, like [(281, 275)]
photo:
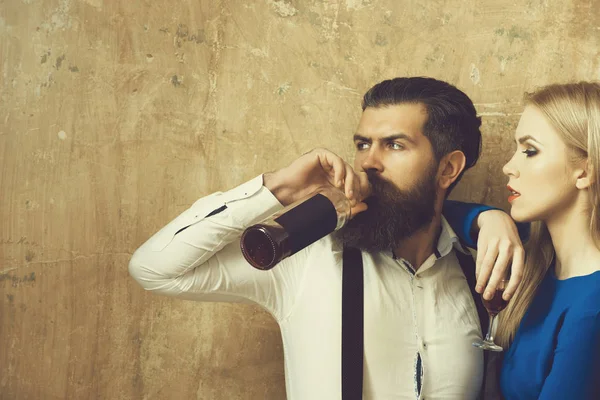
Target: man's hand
[(499, 252), (317, 168)]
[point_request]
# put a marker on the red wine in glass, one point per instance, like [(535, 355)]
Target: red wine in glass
[(493, 306), (497, 303)]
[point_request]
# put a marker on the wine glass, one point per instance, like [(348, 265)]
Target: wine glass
[(493, 307)]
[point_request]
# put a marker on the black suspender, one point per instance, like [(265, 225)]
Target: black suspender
[(467, 264), (352, 324)]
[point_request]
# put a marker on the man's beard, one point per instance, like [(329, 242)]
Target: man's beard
[(393, 214)]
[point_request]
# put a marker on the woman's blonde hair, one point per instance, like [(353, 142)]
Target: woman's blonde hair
[(573, 110)]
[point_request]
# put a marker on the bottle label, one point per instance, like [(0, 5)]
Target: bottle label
[(309, 222)]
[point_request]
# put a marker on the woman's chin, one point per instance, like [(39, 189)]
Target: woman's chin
[(518, 216)]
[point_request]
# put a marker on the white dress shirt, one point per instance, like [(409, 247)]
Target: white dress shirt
[(428, 314)]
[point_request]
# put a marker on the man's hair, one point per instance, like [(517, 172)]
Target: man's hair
[(452, 121)]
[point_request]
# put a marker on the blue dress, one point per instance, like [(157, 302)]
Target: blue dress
[(556, 350)]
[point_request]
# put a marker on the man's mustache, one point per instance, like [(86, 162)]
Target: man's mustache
[(379, 186), (376, 180)]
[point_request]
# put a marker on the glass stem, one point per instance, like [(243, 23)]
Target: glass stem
[(489, 337)]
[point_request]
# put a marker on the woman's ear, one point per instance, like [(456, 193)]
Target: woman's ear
[(584, 176), (451, 165)]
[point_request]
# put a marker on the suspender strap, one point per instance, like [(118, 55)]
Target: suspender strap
[(467, 264), (352, 324)]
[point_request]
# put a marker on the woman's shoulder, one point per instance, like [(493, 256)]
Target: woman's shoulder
[(585, 303), (575, 298)]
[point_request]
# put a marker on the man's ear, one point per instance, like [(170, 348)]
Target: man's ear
[(451, 165), (584, 176)]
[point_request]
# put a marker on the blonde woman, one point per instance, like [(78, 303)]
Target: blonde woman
[(552, 325)]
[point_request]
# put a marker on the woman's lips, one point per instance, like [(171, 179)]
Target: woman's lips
[(513, 194)]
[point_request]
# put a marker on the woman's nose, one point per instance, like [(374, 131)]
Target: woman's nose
[(509, 168)]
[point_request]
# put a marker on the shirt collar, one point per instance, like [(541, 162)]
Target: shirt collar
[(447, 240)]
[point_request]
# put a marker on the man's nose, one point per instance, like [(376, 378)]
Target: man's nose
[(372, 162)]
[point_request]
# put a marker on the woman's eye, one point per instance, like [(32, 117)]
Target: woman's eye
[(530, 152)]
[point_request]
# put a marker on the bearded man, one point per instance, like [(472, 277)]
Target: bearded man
[(415, 139)]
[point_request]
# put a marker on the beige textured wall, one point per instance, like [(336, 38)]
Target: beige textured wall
[(116, 115)]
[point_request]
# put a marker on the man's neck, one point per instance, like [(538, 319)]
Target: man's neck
[(419, 246)]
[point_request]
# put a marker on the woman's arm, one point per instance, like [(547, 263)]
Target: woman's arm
[(497, 239)]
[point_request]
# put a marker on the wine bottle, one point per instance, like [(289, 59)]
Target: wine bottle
[(295, 227)]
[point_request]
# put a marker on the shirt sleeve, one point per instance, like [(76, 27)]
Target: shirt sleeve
[(461, 216), (575, 372), (197, 256)]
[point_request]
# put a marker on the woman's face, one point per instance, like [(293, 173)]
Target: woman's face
[(541, 177)]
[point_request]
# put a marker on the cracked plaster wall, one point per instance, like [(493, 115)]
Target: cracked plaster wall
[(116, 115)]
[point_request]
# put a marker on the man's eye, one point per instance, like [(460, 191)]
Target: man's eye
[(530, 152), (396, 146), (362, 145)]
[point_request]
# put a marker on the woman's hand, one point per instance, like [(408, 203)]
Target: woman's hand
[(499, 254)]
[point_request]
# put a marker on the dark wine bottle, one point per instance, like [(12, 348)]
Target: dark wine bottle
[(295, 227)]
